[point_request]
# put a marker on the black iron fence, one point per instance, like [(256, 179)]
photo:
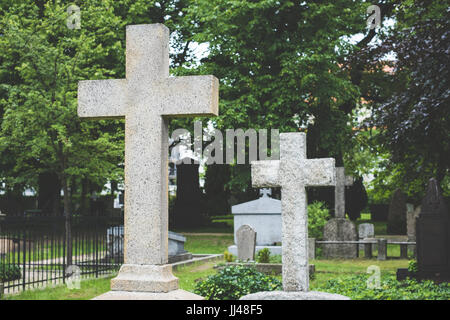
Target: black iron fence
[(34, 250)]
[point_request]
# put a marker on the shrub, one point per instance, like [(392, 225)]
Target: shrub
[(233, 282), (356, 288), (9, 272), (228, 256), (317, 218), (412, 266), (263, 256)]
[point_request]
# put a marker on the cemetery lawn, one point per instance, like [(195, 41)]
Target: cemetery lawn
[(208, 242), (190, 275)]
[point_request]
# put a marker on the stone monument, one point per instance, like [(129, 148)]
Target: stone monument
[(146, 99), (246, 242), (432, 237), (397, 214), (293, 173), (339, 228)]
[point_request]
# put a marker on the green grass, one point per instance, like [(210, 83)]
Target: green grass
[(189, 275), (88, 290), (208, 243)]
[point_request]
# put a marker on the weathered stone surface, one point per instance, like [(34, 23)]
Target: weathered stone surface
[(146, 98), (340, 229), (411, 216), (246, 242), (145, 278), (366, 230), (283, 295), (339, 191), (293, 172), (382, 249), (127, 295), (397, 214)]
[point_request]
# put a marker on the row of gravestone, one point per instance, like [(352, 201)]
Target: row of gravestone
[(146, 98)]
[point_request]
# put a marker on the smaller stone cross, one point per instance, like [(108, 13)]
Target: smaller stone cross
[(265, 192), (293, 172), (342, 181)]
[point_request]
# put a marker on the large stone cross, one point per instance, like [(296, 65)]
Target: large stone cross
[(146, 99), (342, 181), (293, 172)]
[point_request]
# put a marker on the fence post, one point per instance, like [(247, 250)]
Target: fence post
[(368, 250), (382, 249), (312, 248), (403, 251)]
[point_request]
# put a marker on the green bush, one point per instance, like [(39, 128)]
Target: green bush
[(263, 256), (9, 272), (412, 266), (356, 288), (317, 218), (233, 282), (228, 256)]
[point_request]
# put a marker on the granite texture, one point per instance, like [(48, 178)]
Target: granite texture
[(283, 295), (293, 172), (340, 229), (146, 98), (366, 230), (145, 278), (342, 181), (246, 242)]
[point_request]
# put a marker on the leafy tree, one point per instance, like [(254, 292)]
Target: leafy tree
[(413, 119), (281, 65)]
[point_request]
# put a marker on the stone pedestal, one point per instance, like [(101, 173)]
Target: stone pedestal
[(340, 229), (145, 278), (127, 295), (294, 295)]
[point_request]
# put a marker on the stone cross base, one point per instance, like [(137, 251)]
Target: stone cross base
[(294, 295), (340, 229), (127, 295), (145, 278)]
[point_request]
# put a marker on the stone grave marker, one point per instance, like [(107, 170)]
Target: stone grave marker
[(246, 242), (397, 214), (339, 228), (365, 230), (147, 98), (293, 172)]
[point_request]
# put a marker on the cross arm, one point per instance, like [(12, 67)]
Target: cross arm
[(102, 98), (192, 95), (320, 172), (266, 173)]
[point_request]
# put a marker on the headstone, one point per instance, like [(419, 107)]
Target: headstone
[(433, 236), (293, 172), (397, 214), (263, 215), (340, 229), (411, 216), (365, 230), (189, 206), (246, 242), (342, 181), (146, 99)]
